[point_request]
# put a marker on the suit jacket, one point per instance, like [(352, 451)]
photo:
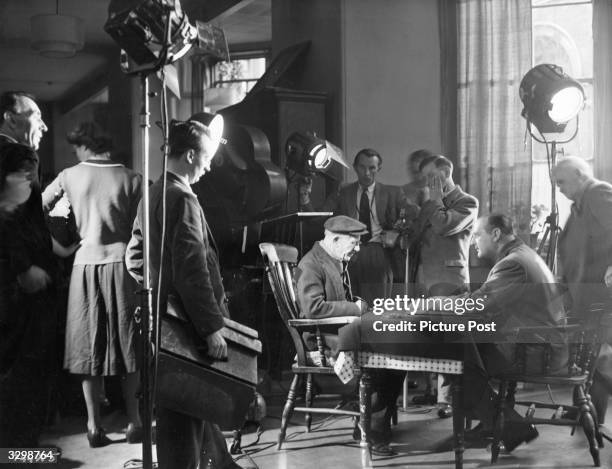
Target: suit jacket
[(386, 198), (190, 267), (320, 292), (520, 290), (445, 229), (585, 246)]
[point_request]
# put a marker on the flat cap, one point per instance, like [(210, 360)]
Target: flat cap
[(345, 225)]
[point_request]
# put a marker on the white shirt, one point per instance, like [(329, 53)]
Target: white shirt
[(374, 223)]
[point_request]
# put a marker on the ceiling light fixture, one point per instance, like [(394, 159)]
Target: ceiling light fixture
[(57, 36)]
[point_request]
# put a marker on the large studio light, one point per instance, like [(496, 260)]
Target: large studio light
[(215, 124), (551, 98), (307, 154)]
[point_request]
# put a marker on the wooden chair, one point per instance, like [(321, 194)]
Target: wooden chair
[(584, 345), (280, 261)]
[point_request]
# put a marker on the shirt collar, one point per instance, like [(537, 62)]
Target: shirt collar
[(509, 247), (183, 179), (12, 139), (580, 194), (370, 188)]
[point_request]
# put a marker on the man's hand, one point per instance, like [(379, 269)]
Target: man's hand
[(33, 280), (608, 276), (217, 348), (435, 186)]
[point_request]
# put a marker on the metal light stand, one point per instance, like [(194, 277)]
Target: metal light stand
[(551, 234), (145, 317)]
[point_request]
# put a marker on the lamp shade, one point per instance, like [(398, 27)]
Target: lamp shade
[(57, 36), (551, 98)]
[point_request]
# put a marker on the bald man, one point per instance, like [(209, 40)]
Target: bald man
[(585, 255)]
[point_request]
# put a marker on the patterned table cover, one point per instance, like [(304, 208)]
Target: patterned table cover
[(345, 364)]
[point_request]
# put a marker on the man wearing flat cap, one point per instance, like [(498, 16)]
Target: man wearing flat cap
[(323, 284), (324, 291)]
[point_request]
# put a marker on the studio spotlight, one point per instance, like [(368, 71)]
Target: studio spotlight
[(551, 98), (215, 124), (307, 154)]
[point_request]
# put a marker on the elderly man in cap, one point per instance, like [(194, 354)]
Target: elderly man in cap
[(323, 284), (324, 291)]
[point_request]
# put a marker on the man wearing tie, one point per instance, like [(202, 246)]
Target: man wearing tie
[(375, 205)]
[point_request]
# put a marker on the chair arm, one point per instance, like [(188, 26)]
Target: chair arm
[(309, 323)]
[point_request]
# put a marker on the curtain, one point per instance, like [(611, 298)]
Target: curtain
[(494, 52), (602, 88)]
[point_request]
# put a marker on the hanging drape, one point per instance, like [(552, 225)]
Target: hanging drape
[(602, 88), (493, 54)]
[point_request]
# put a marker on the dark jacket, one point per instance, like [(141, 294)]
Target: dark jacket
[(320, 292), (190, 267), (445, 229), (521, 291), (585, 246)]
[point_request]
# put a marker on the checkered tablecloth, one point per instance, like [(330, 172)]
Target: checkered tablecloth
[(345, 364)]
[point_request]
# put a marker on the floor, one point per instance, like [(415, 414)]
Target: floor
[(421, 439)]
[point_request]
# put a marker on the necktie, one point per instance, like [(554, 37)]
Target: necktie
[(346, 282), (364, 215)]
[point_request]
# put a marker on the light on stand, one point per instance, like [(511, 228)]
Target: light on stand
[(215, 125), (307, 154), (551, 99)]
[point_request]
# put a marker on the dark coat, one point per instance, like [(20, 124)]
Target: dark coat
[(585, 246), (445, 229), (520, 290), (191, 268), (320, 292)]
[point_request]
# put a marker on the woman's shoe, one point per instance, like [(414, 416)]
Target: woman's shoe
[(98, 438), (133, 434)]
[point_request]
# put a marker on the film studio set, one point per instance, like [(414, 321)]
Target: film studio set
[(305, 233)]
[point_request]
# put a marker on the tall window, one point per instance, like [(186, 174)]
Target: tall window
[(234, 79), (562, 34)]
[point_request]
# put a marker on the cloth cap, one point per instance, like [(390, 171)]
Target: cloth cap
[(342, 224)]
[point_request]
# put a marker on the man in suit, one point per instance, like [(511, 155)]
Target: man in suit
[(585, 256), (377, 206), (442, 245), (190, 274), (27, 282), (519, 291), (444, 227)]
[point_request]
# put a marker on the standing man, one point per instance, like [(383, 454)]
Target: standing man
[(191, 274), (585, 256), (445, 227), (27, 269), (444, 230), (375, 205)]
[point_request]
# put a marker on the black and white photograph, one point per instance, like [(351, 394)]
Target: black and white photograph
[(288, 234)]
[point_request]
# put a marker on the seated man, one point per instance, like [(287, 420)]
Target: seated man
[(520, 290), (323, 284), (324, 290)]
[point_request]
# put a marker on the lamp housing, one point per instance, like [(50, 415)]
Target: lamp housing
[(307, 153), (139, 28), (550, 97)]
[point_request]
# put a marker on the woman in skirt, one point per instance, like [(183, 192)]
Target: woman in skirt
[(100, 328)]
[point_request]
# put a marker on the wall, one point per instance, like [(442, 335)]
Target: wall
[(391, 81)]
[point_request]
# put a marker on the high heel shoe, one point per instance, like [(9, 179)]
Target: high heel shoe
[(98, 438)]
